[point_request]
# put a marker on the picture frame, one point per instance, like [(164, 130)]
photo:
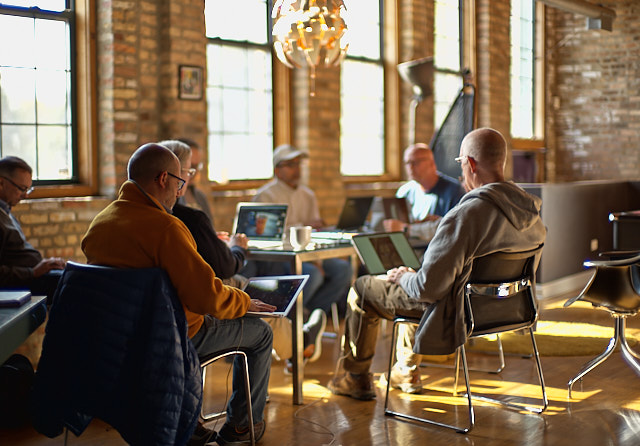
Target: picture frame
[(190, 82)]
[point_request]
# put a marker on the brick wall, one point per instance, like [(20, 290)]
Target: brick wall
[(594, 99)]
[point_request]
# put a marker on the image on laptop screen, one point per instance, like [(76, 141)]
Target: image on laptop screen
[(383, 251), (261, 221), (280, 291)]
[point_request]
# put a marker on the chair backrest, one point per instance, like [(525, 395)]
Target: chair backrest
[(445, 143), (116, 348), (500, 294)]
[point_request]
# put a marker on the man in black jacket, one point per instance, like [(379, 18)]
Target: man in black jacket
[(21, 265)]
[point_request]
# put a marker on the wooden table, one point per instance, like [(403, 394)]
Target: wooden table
[(295, 259), (17, 323)]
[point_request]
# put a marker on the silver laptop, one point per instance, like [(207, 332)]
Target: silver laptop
[(263, 223), (382, 251), (280, 291)]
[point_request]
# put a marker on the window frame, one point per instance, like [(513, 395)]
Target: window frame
[(83, 95)]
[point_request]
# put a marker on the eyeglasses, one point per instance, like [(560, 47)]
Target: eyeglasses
[(291, 164), (181, 182), (190, 172), (459, 159), (24, 189)]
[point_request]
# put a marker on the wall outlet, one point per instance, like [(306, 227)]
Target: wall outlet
[(594, 244)]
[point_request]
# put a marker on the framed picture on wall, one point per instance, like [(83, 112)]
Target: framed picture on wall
[(190, 82)]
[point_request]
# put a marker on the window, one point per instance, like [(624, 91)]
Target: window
[(522, 68), (36, 87), (447, 56), (362, 92), (239, 90)]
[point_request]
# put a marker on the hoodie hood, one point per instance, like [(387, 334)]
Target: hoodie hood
[(519, 207)]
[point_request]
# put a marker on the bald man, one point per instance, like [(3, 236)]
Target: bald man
[(429, 194), (495, 215), (137, 230)]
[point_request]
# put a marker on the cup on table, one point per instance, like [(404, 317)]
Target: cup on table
[(299, 237)]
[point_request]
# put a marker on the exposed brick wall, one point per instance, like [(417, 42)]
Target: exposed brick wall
[(594, 99), (56, 227)]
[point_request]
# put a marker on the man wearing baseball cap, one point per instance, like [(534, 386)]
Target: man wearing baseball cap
[(330, 279)]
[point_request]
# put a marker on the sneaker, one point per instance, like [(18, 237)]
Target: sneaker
[(288, 366), (313, 330), (356, 386), (406, 379), (230, 435), (202, 436)]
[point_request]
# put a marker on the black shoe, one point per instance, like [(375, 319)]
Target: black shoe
[(202, 436), (230, 435), (313, 330)]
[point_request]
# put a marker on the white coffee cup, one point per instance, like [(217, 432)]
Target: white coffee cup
[(299, 237)]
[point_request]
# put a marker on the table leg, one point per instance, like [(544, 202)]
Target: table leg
[(297, 340)]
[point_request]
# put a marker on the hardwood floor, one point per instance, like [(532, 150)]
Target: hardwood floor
[(605, 409)]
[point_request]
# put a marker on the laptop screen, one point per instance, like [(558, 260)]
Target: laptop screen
[(354, 213), (383, 251), (261, 221), (280, 291)]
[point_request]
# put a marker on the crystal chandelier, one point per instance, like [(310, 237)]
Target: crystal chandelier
[(309, 33)]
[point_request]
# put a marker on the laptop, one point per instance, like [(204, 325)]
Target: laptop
[(263, 223), (382, 251), (396, 208), (280, 291), (352, 220)]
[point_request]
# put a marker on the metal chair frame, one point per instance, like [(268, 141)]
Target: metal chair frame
[(247, 387), (503, 289), (612, 288)]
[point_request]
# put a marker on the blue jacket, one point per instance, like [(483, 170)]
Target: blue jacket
[(116, 348)]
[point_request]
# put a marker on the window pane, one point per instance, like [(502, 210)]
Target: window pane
[(239, 20), (522, 68), (362, 118), (240, 122), (17, 86), (446, 55), (54, 157), (52, 51), (20, 140), (20, 32), (52, 97), (363, 28)]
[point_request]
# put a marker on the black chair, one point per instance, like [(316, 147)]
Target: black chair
[(116, 348), (499, 297), (614, 287)]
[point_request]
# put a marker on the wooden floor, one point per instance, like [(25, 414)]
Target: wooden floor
[(605, 409)]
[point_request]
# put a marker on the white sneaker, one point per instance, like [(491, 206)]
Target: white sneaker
[(406, 379), (313, 330)]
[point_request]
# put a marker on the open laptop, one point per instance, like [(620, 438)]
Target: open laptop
[(382, 251), (263, 223), (280, 291), (352, 220)]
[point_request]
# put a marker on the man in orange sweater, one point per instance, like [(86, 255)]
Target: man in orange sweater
[(137, 230)]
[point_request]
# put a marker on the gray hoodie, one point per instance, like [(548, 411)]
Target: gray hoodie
[(497, 217)]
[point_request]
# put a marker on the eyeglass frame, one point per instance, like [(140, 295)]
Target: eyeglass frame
[(190, 172), (459, 159), (23, 189), (181, 180)]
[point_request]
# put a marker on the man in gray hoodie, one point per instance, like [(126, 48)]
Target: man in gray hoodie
[(495, 215)]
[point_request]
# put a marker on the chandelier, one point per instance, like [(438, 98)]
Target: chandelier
[(309, 33)]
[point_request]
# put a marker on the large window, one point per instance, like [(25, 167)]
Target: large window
[(362, 92), (239, 90), (522, 68), (447, 56), (36, 87)]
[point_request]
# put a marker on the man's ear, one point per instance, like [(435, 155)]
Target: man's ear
[(472, 164), (162, 179)]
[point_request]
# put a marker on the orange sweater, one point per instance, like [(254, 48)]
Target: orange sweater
[(135, 231)]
